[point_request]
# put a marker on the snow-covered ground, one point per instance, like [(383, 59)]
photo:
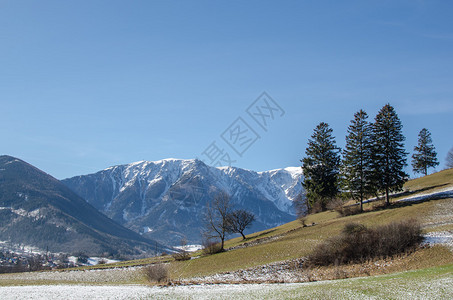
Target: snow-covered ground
[(92, 261), (440, 216), (439, 194), (21, 249), (100, 276), (137, 292), (441, 237), (288, 271), (380, 287), (189, 248)]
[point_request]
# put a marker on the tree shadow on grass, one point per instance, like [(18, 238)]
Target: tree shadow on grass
[(379, 203), (259, 235), (409, 193), (402, 203)]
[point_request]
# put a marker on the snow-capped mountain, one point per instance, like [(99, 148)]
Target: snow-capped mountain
[(165, 199), (39, 211)]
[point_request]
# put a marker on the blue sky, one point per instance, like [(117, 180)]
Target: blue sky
[(85, 85)]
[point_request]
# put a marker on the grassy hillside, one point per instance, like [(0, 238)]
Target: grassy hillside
[(291, 240), (431, 182)]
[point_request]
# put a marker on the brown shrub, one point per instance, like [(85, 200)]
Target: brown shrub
[(210, 247), (315, 208), (334, 204), (181, 255), (358, 243), (345, 211), (156, 273)]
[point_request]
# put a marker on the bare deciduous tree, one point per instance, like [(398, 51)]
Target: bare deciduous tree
[(156, 273), (301, 205), (449, 159), (239, 220), (217, 218)]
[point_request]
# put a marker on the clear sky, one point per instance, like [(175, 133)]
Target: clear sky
[(85, 85)]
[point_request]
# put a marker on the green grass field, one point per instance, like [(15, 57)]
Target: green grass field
[(430, 283)]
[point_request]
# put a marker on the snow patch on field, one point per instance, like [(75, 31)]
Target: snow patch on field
[(436, 287), (102, 276), (189, 248), (288, 271), (439, 194), (92, 261), (442, 237)]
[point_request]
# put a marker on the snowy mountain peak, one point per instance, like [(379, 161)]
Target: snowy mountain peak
[(170, 195)]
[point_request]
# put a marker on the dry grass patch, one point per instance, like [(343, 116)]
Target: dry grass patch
[(294, 241), (448, 227), (422, 258)]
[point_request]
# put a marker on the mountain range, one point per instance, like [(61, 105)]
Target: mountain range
[(165, 200), (38, 210)]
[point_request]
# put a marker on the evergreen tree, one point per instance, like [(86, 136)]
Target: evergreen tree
[(425, 155), (321, 167), (357, 164), (389, 156)]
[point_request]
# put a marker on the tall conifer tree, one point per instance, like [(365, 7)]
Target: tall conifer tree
[(321, 167), (389, 156), (425, 155), (357, 164)]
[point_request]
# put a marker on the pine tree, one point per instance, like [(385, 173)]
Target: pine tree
[(321, 167), (425, 155), (357, 164), (389, 156)]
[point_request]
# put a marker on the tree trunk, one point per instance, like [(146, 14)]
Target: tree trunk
[(387, 200), (323, 205), (243, 236), (361, 197)]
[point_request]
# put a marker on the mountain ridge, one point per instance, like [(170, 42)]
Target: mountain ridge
[(38, 210), (175, 191)]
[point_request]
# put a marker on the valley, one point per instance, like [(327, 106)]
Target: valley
[(277, 255)]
